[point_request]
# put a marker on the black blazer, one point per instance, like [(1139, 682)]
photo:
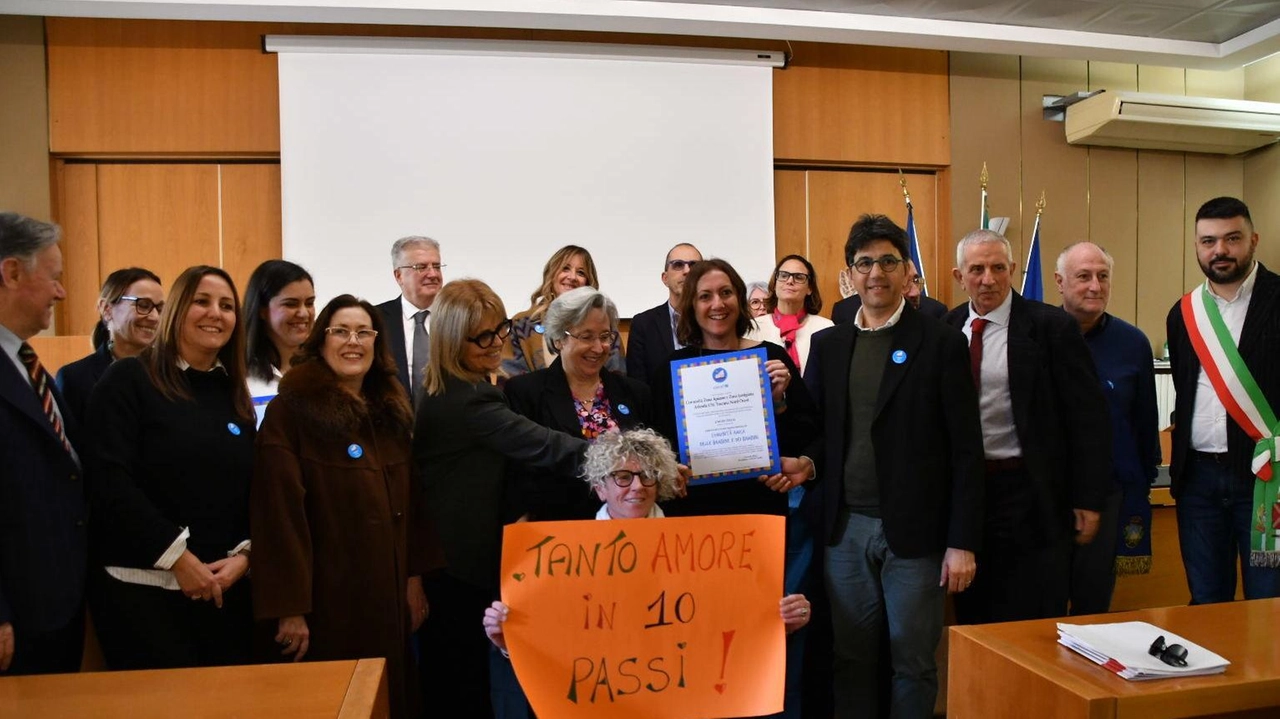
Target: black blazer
[(43, 541), (846, 310), (649, 342), (1259, 346), (393, 319), (463, 439), (76, 380), (1059, 411), (544, 397), (926, 432)]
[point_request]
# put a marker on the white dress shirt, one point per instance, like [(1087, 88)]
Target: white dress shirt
[(407, 311), (995, 403), (1208, 416)]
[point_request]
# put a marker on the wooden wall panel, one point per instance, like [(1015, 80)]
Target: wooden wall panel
[(24, 160), (77, 211), (1161, 193), (1207, 83), (162, 217), (251, 225), (1208, 177), (1262, 167), (1059, 170), (790, 214), (986, 113), (879, 106), (837, 198), (1113, 222), (187, 88)]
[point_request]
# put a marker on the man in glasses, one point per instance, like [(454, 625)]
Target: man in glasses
[(43, 545), (415, 261), (901, 491), (1045, 434), (846, 309), (653, 337)]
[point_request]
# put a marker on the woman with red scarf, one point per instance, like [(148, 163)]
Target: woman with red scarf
[(792, 309)]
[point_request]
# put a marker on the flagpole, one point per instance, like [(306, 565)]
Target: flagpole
[(912, 238), (984, 220), (1033, 257)]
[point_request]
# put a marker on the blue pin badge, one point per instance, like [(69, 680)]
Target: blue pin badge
[(355, 451), (623, 409), (899, 356), (538, 328), (233, 428)]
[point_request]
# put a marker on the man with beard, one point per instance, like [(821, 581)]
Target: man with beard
[(1224, 337)]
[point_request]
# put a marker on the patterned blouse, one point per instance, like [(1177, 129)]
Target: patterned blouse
[(595, 415)]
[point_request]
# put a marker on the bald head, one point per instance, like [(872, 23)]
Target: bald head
[(1083, 277)]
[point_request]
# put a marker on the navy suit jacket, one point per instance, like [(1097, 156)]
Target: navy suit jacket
[(1259, 346), (393, 319), (43, 541), (649, 343), (846, 310), (1059, 411), (926, 433)]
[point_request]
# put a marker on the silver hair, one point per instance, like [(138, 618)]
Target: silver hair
[(571, 309), (1061, 265), (753, 286), (404, 243), (25, 237), (981, 237), (612, 449)]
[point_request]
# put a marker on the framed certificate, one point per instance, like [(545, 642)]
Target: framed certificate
[(724, 416)]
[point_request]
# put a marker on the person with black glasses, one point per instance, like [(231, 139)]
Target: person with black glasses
[(576, 395), (465, 436), (652, 337), (847, 309), (791, 309), (129, 307), (337, 520)]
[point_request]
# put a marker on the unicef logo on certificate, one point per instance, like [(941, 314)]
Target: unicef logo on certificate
[(719, 374)]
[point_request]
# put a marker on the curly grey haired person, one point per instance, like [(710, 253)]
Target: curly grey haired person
[(612, 449)]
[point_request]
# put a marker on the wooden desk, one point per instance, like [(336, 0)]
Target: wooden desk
[(1019, 670), (342, 690)]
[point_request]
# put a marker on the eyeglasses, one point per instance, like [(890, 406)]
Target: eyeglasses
[(142, 305), (801, 278), (423, 267), (888, 263), (623, 478), (756, 304), (1175, 655), (345, 334), (918, 281), (485, 339), (681, 265), (605, 338)]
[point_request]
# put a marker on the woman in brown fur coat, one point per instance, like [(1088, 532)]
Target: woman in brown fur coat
[(340, 535)]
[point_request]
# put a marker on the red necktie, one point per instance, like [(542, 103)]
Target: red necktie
[(975, 349), (40, 380)]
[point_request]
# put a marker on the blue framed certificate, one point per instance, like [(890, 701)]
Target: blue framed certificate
[(724, 416)]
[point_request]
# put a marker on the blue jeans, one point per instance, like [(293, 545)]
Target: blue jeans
[(1214, 512), (867, 585)]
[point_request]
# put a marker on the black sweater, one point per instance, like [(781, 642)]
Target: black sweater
[(160, 465)]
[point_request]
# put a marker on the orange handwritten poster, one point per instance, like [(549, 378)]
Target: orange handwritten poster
[(670, 618)]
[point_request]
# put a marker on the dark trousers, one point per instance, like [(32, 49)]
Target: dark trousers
[(143, 627), (453, 651), (1024, 567), (1093, 565), (54, 652)]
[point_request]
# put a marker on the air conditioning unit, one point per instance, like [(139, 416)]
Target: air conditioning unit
[(1173, 122)]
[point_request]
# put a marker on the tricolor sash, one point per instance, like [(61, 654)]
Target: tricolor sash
[(1248, 407)]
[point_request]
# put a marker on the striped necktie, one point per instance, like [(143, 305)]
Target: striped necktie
[(41, 380)]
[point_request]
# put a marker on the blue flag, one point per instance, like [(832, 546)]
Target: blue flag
[(915, 248), (1032, 282)]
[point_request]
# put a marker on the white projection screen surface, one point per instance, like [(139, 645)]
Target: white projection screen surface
[(504, 159)]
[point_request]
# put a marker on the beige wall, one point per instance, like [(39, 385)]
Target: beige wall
[(1136, 203), (24, 118), (1262, 167)]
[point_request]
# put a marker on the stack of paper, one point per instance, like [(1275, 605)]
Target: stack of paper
[(1123, 648)]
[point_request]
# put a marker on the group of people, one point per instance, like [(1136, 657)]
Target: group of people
[(363, 459)]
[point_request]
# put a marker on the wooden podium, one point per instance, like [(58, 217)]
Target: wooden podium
[(1018, 669), (337, 690)]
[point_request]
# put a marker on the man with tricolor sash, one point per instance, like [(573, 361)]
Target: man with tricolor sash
[(1224, 340)]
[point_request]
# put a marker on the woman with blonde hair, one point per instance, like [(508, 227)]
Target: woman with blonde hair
[(171, 462), (530, 348), (465, 436)]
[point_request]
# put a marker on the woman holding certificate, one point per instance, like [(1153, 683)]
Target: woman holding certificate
[(464, 437), (172, 457), (714, 321), (576, 395)]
